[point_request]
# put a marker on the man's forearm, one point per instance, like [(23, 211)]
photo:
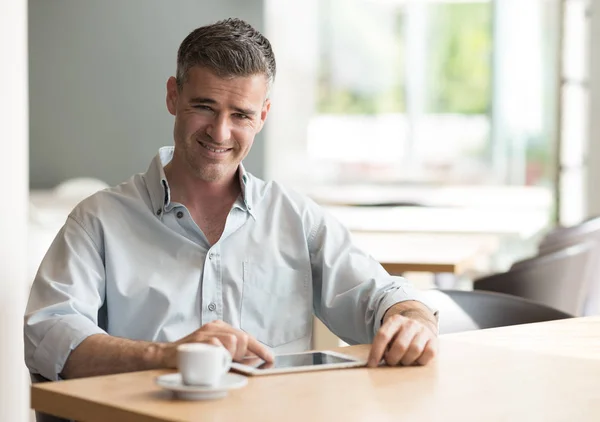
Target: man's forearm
[(102, 354), (414, 310)]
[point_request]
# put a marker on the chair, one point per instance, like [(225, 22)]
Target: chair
[(472, 310), (563, 237), (44, 417), (559, 279)]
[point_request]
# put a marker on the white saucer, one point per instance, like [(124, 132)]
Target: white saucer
[(174, 383)]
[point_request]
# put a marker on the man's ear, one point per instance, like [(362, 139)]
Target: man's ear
[(264, 113), (172, 93)]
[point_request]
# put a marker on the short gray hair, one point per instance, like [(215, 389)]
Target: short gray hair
[(230, 48)]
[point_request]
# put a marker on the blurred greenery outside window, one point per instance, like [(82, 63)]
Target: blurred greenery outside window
[(405, 93)]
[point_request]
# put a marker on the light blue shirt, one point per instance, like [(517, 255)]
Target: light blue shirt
[(131, 263)]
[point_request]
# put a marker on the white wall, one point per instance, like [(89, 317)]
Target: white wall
[(13, 212), (98, 71)]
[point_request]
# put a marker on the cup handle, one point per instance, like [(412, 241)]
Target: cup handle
[(226, 360)]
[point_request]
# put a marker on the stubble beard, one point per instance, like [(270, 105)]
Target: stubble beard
[(206, 171)]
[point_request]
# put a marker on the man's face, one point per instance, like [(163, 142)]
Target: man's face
[(216, 121)]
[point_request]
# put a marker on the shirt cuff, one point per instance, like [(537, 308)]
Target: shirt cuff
[(402, 293), (56, 346)]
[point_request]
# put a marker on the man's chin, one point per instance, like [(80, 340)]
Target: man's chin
[(210, 170)]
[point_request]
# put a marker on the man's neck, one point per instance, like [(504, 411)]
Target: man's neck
[(194, 192)]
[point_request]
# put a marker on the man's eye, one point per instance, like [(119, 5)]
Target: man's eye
[(203, 107), (241, 116)]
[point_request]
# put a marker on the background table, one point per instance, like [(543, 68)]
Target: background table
[(401, 252), (537, 372)]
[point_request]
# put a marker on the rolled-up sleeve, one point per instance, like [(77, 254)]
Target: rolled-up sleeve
[(351, 290), (67, 293)]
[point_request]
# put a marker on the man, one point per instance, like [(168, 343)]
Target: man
[(198, 250)]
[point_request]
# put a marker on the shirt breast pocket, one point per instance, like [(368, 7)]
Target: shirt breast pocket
[(276, 304)]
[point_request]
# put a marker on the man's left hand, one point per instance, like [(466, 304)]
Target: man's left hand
[(405, 340)]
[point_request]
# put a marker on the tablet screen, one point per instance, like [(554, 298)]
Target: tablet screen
[(293, 361)]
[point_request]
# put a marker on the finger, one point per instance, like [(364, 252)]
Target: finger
[(242, 345), (401, 343), (238, 346), (253, 361), (229, 342), (415, 349), (214, 341), (429, 352), (383, 337), (259, 349), (266, 365)]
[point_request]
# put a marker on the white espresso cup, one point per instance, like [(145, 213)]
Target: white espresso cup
[(202, 364)]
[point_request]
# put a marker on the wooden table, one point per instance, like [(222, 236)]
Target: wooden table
[(538, 372), (401, 252)]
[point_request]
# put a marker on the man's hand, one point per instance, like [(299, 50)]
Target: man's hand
[(219, 333), (124, 355), (407, 336)]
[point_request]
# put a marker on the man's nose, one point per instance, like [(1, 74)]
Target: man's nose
[(219, 129)]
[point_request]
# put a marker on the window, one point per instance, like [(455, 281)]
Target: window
[(436, 91)]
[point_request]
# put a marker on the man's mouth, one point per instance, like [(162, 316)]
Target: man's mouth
[(213, 149)]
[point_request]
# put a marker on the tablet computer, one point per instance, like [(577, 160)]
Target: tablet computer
[(297, 362)]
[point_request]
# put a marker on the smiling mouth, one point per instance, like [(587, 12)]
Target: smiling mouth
[(213, 149)]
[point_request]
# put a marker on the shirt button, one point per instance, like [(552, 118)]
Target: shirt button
[(179, 214), (212, 307), (210, 255), (158, 211)]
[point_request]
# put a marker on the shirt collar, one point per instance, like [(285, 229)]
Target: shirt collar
[(246, 186), (158, 186)]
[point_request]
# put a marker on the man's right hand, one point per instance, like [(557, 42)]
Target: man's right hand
[(219, 333)]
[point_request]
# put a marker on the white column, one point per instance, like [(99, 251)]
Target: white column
[(14, 397), (593, 150), (575, 115), (293, 95)]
